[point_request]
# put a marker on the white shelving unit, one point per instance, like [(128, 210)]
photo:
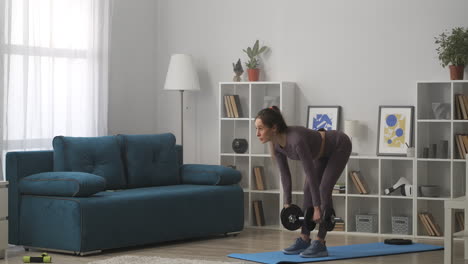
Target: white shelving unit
[(378, 172), (251, 97)]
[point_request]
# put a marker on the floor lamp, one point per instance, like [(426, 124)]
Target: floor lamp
[(181, 76)]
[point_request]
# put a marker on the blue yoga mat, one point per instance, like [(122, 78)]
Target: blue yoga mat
[(339, 252)]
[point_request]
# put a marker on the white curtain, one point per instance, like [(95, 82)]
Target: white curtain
[(55, 65)]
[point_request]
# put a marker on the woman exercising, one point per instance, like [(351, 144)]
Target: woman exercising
[(324, 155)]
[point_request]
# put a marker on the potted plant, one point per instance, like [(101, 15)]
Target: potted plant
[(453, 51), (252, 64)]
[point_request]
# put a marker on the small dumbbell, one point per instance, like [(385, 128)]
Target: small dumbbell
[(44, 258)]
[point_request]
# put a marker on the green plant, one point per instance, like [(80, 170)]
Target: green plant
[(253, 54), (453, 47)]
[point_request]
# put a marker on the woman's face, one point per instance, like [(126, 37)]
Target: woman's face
[(264, 133)]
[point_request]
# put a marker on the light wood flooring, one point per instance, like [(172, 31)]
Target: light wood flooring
[(248, 241)]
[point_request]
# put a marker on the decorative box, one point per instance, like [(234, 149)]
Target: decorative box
[(367, 223)]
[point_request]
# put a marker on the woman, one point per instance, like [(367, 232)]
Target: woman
[(324, 155)]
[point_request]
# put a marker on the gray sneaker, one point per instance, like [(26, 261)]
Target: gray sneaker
[(316, 250), (296, 248)]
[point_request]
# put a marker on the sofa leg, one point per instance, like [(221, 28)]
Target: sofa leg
[(82, 254), (76, 253), (231, 233)]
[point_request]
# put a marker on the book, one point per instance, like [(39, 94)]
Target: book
[(356, 185), (258, 175), (433, 224), (258, 212), (234, 106), (425, 224), (238, 104), (360, 182)]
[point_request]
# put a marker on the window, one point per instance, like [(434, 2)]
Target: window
[(55, 77)]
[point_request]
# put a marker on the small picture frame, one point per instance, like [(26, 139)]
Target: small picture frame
[(323, 117), (395, 130)]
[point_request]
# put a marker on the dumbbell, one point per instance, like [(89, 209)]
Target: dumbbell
[(293, 217), (44, 258)]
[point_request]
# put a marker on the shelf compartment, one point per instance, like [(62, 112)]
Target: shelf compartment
[(269, 173), (430, 134), (391, 171), (271, 210), (369, 173), (395, 207), (459, 179), (429, 93), (241, 164), (232, 129), (434, 173), (360, 206), (265, 95), (240, 89), (433, 208)]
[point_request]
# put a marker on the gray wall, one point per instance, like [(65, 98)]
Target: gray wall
[(358, 54)]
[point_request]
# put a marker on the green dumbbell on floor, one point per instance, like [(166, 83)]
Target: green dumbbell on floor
[(44, 258)]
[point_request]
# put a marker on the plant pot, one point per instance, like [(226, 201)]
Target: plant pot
[(253, 74), (456, 72)]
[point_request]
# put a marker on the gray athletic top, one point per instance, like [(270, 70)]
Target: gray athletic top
[(301, 144)]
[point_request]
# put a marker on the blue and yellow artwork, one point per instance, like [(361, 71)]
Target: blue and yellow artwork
[(322, 121), (394, 130)]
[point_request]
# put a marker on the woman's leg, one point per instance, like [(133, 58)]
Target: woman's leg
[(320, 166), (335, 166)]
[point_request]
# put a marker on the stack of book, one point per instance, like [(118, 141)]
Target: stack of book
[(339, 188), (461, 106), (462, 145), (258, 176), (431, 227), (339, 224), (233, 106), (460, 221), (258, 212), (358, 182)]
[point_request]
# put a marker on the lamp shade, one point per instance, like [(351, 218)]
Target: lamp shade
[(351, 128), (181, 74)]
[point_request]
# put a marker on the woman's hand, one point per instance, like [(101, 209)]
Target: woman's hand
[(317, 215)]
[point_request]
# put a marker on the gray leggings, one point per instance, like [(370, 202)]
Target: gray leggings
[(329, 169)]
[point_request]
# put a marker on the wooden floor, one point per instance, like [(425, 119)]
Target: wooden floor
[(249, 241)]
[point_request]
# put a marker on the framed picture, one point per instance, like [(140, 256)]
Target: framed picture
[(395, 132), (326, 117)]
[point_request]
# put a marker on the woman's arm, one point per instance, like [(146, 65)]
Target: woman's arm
[(307, 159), (282, 162)]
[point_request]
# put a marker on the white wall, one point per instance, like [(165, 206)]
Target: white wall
[(358, 54), (133, 68)]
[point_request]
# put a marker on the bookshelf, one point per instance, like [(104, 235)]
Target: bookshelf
[(251, 97), (377, 172)]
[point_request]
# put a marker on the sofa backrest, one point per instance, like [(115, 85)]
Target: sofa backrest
[(96, 155), (150, 160)]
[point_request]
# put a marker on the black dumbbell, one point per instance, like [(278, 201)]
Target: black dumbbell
[(293, 217)]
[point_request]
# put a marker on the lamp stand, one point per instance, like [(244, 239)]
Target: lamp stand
[(182, 117)]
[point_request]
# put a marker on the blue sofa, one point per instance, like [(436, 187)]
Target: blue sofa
[(97, 193)]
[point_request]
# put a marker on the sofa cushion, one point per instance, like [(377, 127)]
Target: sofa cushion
[(209, 174), (151, 160), (70, 184), (96, 155), (130, 217)]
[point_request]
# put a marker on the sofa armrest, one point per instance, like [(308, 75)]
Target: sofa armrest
[(62, 183), (203, 174)]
